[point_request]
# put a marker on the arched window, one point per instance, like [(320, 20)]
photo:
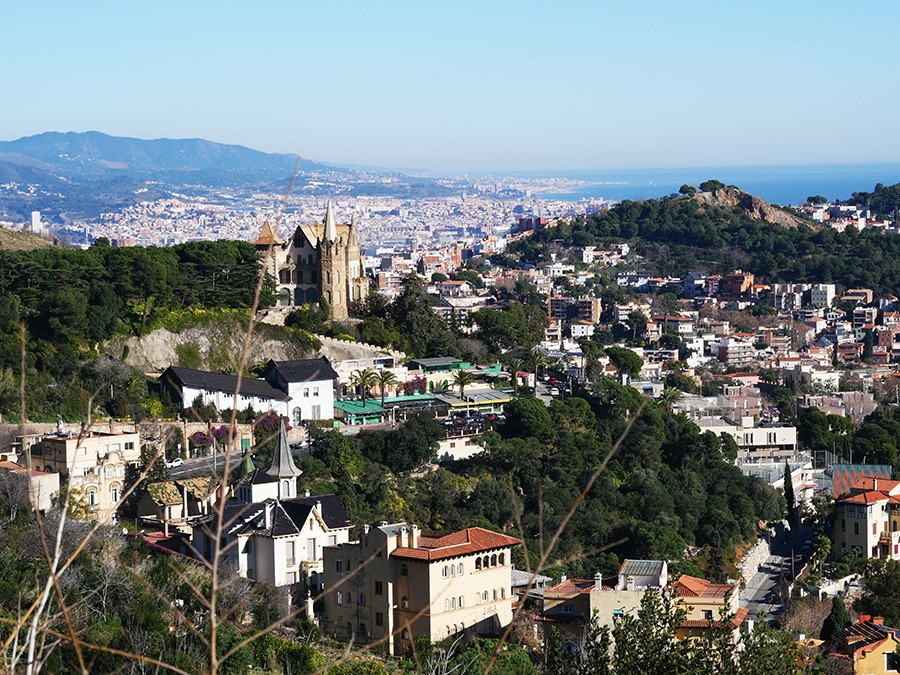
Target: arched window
[(349, 598), (338, 598), (459, 569), (114, 494), (298, 416), (361, 599), (494, 560), (452, 570), (362, 629), (502, 593), (446, 605), (285, 489), (460, 602), (444, 572), (404, 602), (92, 498), (327, 277), (484, 597), (452, 603), (502, 559), (495, 594), (477, 563), (485, 562), (404, 634)]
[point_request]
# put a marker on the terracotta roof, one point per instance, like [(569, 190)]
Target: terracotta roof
[(870, 497), (464, 542), (692, 587), (267, 236), (736, 620), (573, 586), (868, 483)]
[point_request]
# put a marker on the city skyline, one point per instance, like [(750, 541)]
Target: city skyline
[(467, 87)]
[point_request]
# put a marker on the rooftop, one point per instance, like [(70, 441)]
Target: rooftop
[(465, 542)]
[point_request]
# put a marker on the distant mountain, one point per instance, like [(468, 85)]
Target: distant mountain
[(93, 154)]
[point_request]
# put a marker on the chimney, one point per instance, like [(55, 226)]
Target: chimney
[(562, 578), (878, 620), (400, 537), (306, 493), (865, 617), (412, 537), (598, 580), (111, 429), (629, 583)]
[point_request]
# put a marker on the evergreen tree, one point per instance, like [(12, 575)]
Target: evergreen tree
[(789, 496), (838, 618)]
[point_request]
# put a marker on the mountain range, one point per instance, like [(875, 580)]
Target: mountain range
[(71, 174)]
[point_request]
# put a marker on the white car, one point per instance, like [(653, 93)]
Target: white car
[(178, 461), (554, 391)]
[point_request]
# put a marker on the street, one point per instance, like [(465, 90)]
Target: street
[(203, 466), (767, 590)]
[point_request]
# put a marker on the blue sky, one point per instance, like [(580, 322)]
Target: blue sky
[(468, 85)]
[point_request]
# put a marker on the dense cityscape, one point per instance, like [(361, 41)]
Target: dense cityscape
[(449, 339)]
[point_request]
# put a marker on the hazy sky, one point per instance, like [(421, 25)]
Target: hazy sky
[(467, 85)]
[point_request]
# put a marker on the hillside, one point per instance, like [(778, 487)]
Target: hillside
[(93, 154), (10, 240), (754, 207)]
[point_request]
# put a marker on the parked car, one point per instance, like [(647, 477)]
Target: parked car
[(554, 391), (178, 461)]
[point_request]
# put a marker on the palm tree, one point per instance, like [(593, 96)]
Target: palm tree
[(670, 396), (461, 378), (536, 360), (385, 378), (364, 379), (515, 365)]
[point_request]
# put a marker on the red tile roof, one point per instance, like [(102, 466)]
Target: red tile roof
[(268, 237), (736, 620), (465, 542), (692, 587), (573, 586)]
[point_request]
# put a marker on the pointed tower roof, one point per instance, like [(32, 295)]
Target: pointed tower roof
[(246, 467), (330, 227), (282, 462), (268, 237)]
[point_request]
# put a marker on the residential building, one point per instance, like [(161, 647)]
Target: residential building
[(178, 502), (185, 385), (91, 462), (706, 603), (309, 384), (396, 581), (736, 352), (271, 534), (41, 487), (871, 647), (868, 519), (736, 285)]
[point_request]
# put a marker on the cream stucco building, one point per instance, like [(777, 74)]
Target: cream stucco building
[(397, 582), (92, 462)]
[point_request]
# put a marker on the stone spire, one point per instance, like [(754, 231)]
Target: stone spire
[(330, 227), (282, 463)]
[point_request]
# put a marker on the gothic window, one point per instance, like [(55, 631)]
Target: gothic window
[(327, 277), (297, 417)]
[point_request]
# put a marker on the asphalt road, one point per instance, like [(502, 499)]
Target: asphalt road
[(767, 590), (203, 466)]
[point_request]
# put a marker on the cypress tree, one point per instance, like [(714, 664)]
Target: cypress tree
[(838, 618), (789, 495)]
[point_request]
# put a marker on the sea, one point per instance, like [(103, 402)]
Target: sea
[(788, 185)]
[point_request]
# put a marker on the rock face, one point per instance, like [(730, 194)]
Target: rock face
[(754, 207)]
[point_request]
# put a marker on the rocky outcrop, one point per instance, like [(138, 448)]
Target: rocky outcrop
[(754, 207)]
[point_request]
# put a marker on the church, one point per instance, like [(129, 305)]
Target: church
[(321, 261)]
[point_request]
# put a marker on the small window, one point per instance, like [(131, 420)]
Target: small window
[(362, 599), (379, 619), (305, 392), (404, 602), (404, 634), (338, 565), (707, 614), (567, 609), (444, 572), (459, 569), (338, 598), (379, 588), (477, 563), (404, 570)]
